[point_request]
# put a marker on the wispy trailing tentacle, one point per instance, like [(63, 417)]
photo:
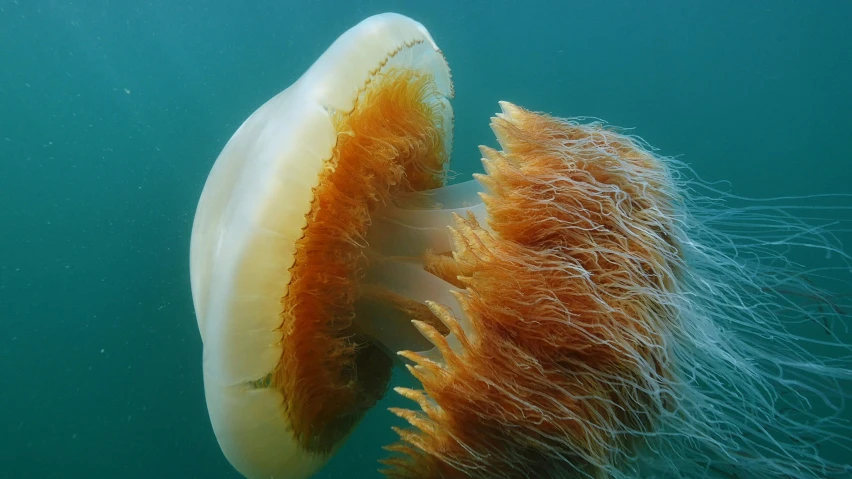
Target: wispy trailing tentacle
[(608, 333)]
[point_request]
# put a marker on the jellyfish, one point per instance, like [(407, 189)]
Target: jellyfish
[(577, 310)]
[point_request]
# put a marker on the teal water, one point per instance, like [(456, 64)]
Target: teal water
[(111, 114)]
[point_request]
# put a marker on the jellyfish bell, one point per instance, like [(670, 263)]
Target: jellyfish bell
[(276, 243)]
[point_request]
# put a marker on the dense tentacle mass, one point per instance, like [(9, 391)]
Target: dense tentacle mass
[(606, 335)]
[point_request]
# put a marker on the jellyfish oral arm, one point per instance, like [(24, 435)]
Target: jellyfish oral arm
[(402, 239)]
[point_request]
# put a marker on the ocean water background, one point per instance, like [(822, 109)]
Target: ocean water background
[(112, 112)]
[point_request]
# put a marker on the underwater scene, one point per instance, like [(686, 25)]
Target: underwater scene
[(426, 240)]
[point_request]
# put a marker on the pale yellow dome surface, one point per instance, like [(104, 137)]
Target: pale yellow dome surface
[(251, 212)]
